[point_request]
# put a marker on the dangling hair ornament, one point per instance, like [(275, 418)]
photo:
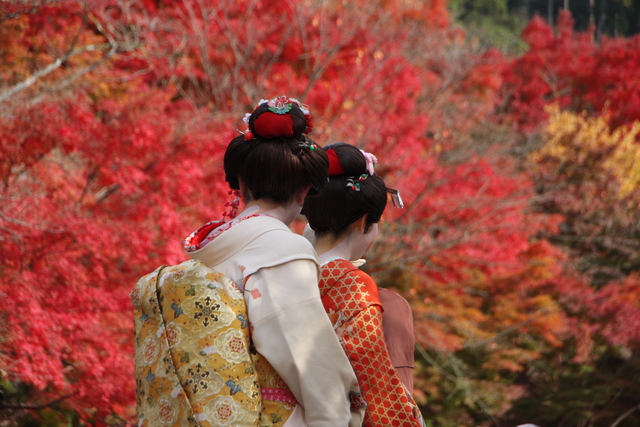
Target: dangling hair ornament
[(371, 160), (232, 206), (277, 122)]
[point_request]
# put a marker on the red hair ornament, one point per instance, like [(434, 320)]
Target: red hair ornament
[(335, 168), (276, 122), (273, 125)]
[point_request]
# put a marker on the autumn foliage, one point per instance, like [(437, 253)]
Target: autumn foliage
[(518, 248)]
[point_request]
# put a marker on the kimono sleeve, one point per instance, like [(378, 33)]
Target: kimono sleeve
[(388, 402), (292, 331), (397, 322)]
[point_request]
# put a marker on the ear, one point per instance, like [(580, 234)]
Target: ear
[(361, 223), (244, 191), (243, 187), (302, 194)]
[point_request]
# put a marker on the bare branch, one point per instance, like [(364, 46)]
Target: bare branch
[(86, 70), (625, 415), (49, 69), (39, 406), (26, 224)]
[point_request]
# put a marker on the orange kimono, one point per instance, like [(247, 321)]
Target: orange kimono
[(351, 300)]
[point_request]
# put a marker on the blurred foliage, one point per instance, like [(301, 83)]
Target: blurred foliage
[(491, 24), (498, 23), (518, 247)]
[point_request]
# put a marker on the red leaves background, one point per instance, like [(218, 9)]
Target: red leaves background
[(112, 155)]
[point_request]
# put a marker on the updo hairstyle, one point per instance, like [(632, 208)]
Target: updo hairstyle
[(273, 166), (337, 206)]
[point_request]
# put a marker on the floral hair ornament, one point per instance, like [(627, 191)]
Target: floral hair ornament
[(276, 122), (352, 182), (371, 160)]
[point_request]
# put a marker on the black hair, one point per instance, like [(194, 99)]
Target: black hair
[(338, 206), (276, 168)]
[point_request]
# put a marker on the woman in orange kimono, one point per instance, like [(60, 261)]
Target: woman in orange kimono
[(344, 218)]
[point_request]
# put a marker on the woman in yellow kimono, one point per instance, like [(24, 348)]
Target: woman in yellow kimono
[(303, 376), (344, 218)]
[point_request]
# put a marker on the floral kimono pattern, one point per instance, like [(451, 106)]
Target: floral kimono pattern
[(350, 298), (306, 378), (193, 361), (278, 402)]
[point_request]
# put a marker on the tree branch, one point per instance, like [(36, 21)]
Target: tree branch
[(89, 68), (26, 224), (49, 69), (40, 406), (625, 415)]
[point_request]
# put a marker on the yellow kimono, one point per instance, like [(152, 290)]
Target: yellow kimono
[(194, 366), (238, 336)]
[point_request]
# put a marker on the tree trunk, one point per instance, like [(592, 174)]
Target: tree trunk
[(550, 13), (601, 23), (602, 19)]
